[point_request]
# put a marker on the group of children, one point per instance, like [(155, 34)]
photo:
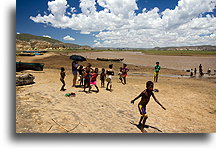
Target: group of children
[(88, 77)]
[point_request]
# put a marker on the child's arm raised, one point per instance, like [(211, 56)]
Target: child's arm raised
[(132, 101), (157, 101)]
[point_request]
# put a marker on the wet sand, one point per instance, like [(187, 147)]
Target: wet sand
[(42, 108)]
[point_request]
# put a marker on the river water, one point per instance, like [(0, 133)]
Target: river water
[(170, 62)]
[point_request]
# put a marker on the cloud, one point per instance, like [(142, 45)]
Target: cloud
[(84, 32), (117, 24), (46, 36), (68, 38), (18, 33)]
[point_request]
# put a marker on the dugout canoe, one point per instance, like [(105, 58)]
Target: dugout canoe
[(20, 66), (25, 54), (106, 59)]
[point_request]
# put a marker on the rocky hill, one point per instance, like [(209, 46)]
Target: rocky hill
[(32, 42), (200, 48)]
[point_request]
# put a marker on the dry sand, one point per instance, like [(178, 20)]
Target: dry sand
[(42, 108)]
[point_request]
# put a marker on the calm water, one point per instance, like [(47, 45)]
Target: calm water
[(171, 62)]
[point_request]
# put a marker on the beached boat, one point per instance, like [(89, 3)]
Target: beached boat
[(105, 59), (25, 54), (20, 66), (30, 51)]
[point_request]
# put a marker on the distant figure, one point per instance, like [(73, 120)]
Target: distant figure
[(200, 70), (124, 72), (87, 77), (93, 80), (145, 97), (81, 73), (62, 76), (74, 72), (209, 71), (156, 71), (120, 74), (109, 73), (195, 71), (102, 77), (191, 72)]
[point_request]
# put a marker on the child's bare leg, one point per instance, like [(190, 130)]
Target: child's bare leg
[(62, 88), (89, 88), (124, 80), (84, 86), (143, 125), (97, 88), (140, 122), (107, 86)]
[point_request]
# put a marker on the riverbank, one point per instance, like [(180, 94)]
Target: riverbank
[(42, 108)]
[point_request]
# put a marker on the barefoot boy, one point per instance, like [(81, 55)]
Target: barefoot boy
[(62, 76), (102, 77), (156, 71), (109, 73), (124, 72), (145, 97)]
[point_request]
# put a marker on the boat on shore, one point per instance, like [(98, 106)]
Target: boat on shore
[(20, 66), (25, 54), (106, 59), (30, 51)]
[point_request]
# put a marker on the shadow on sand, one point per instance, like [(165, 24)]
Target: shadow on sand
[(146, 126)]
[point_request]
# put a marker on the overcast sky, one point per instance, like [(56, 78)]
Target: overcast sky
[(120, 23)]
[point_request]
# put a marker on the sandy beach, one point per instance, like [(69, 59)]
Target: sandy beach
[(42, 108)]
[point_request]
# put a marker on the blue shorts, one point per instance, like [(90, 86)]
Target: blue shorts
[(74, 72), (142, 109)]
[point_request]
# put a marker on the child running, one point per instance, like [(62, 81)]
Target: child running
[(156, 71), (145, 97), (120, 74), (62, 76), (87, 76), (110, 73), (94, 79), (102, 77), (124, 72), (81, 72)]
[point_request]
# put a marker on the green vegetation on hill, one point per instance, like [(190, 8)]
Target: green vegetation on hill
[(28, 37)]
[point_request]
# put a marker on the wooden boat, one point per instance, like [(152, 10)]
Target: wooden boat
[(25, 54), (105, 59), (20, 66), (30, 51)]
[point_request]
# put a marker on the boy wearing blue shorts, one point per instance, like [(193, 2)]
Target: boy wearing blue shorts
[(145, 97)]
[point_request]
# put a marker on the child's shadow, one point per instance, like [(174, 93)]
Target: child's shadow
[(146, 126)]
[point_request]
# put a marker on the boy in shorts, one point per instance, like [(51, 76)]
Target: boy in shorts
[(156, 71), (109, 73), (145, 97)]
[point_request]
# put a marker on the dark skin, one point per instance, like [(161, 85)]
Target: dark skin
[(95, 73), (102, 77), (145, 98), (125, 71), (62, 74)]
